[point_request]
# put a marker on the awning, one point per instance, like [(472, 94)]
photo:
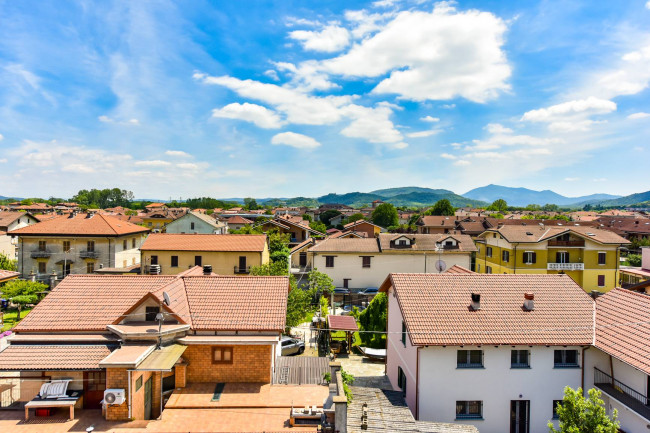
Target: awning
[(162, 359), (17, 357), (231, 340), (129, 356)]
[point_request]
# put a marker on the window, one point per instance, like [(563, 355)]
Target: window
[(488, 269), (42, 245), (90, 268), (602, 258), (530, 257), (198, 260), (402, 242), (365, 261), (469, 359), (401, 380), (124, 244), (42, 268), (133, 243), (404, 334), (562, 257), (154, 260), (555, 403), (174, 261), (478, 268), (222, 355), (565, 358), (138, 383), (346, 283), (90, 246), (329, 261), (150, 313), (505, 256), (66, 246), (469, 409), (519, 359), (488, 251), (191, 226), (601, 281)]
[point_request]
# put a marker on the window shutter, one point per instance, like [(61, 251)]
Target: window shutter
[(534, 258)]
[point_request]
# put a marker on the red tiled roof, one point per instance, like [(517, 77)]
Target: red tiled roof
[(203, 242), (53, 357), (458, 270), (537, 233), (436, 309), (426, 242), (239, 220), (349, 245), (623, 326), (80, 225), (8, 275), (342, 323), (8, 217), (155, 205)]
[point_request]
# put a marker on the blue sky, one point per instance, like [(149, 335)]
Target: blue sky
[(277, 99)]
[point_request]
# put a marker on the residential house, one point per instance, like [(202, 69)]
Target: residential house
[(157, 218), (238, 222), (227, 254), (156, 339), (77, 243), (34, 208), (633, 276), (628, 227), (298, 231), (10, 221), (589, 255), (359, 263), (362, 226), (8, 275), (430, 224), (492, 351), (196, 222)]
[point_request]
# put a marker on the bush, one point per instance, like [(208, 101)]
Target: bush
[(374, 318)]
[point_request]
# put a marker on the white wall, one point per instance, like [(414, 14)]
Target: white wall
[(399, 356), (349, 265), (184, 225), (442, 384)]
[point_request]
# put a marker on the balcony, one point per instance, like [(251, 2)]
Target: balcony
[(573, 243), (301, 269), (88, 254), (40, 254), (565, 266), (242, 270), (623, 393)]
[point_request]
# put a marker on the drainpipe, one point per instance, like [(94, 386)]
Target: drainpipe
[(130, 395), (417, 385), (515, 271), (582, 384), (161, 394)]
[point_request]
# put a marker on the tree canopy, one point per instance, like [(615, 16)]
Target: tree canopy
[(499, 205), (578, 414), (23, 292), (103, 198), (6, 263), (374, 318), (327, 216), (385, 215), (442, 208)]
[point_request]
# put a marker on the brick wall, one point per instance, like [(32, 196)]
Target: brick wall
[(117, 378), (250, 364), (137, 402), (155, 394), (180, 370)]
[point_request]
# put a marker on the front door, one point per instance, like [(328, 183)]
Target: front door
[(303, 260), (147, 399), (94, 386), (519, 416)]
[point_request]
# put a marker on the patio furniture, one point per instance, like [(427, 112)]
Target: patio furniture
[(373, 354), (54, 389), (39, 404), (307, 416)]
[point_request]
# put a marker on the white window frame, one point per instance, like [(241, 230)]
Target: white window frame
[(531, 256)]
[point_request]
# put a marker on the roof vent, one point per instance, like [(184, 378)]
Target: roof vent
[(476, 301), (529, 233), (529, 301), (207, 269), (90, 215)]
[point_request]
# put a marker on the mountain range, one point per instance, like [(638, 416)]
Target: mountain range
[(525, 196)]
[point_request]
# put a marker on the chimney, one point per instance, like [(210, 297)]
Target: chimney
[(207, 269), (529, 301), (595, 293), (476, 301)]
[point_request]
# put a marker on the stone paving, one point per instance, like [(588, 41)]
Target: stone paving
[(366, 373)]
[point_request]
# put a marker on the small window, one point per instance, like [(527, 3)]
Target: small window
[(555, 404), (66, 246), (90, 246), (601, 281), (505, 255), (488, 269), (150, 313), (42, 267), (138, 383), (329, 261), (602, 258), (469, 359), (42, 245), (90, 268), (198, 260), (154, 260), (488, 251), (469, 409), (222, 355), (519, 359), (191, 226), (404, 334), (174, 261), (346, 283), (401, 242), (530, 257), (133, 243), (565, 358), (401, 380), (124, 244), (365, 261)]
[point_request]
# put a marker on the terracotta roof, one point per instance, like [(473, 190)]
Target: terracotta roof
[(203, 217), (80, 225), (537, 233), (360, 222), (53, 357), (348, 234), (154, 205), (128, 354), (347, 245), (8, 217), (203, 242), (437, 221), (458, 270), (8, 275), (302, 245), (239, 220), (426, 242), (623, 326), (436, 309), (342, 323)]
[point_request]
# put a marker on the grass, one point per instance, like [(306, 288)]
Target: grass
[(10, 318)]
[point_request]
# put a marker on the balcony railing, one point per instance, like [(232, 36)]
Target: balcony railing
[(623, 393), (242, 270), (88, 254), (565, 266), (40, 254), (300, 269), (576, 243)]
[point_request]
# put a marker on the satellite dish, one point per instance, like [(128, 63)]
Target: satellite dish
[(441, 265), (167, 299)]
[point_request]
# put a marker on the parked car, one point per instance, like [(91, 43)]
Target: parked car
[(341, 291), (370, 291), (292, 346)]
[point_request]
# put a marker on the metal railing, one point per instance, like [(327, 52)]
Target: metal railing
[(40, 254), (88, 254), (242, 270), (566, 266), (301, 269), (602, 378)]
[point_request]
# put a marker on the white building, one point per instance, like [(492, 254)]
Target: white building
[(196, 222), (358, 263), (12, 221), (493, 351)]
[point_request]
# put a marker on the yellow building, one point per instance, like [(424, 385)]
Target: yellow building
[(589, 255), (227, 254)]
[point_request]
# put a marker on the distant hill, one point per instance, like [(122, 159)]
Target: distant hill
[(525, 196), (637, 198), (392, 192), (407, 196)]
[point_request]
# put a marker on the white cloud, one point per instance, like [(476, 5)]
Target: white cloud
[(294, 21), (639, 115), (257, 114), (384, 3), (571, 126), (647, 5), (365, 23), (448, 106), (178, 153), (462, 162), (430, 119), (133, 121), (3, 160), (422, 134), (1, 137), (272, 74), (447, 156), (106, 119), (307, 76), (299, 141), (571, 116), (496, 128), (438, 55), (372, 124), (153, 163), (571, 179), (400, 145), (187, 166), (498, 141), (630, 77), (330, 39)]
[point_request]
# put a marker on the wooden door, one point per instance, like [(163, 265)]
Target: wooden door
[(94, 387), (147, 399)]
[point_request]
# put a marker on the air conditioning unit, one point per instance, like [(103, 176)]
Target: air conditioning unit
[(114, 396)]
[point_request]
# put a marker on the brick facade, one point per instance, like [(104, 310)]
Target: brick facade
[(137, 402), (117, 378), (250, 364), (180, 375)]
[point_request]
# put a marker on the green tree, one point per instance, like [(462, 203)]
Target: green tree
[(327, 216), (251, 204), (374, 318), (354, 217), (533, 207), (587, 207), (578, 414), (632, 259), (499, 205), (318, 226), (6, 263), (550, 208), (298, 304), (385, 215), (23, 292), (442, 207), (307, 218), (320, 282)]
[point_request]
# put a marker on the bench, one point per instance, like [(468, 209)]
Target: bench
[(36, 404)]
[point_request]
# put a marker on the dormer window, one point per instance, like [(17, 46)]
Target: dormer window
[(151, 313), (402, 242)]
